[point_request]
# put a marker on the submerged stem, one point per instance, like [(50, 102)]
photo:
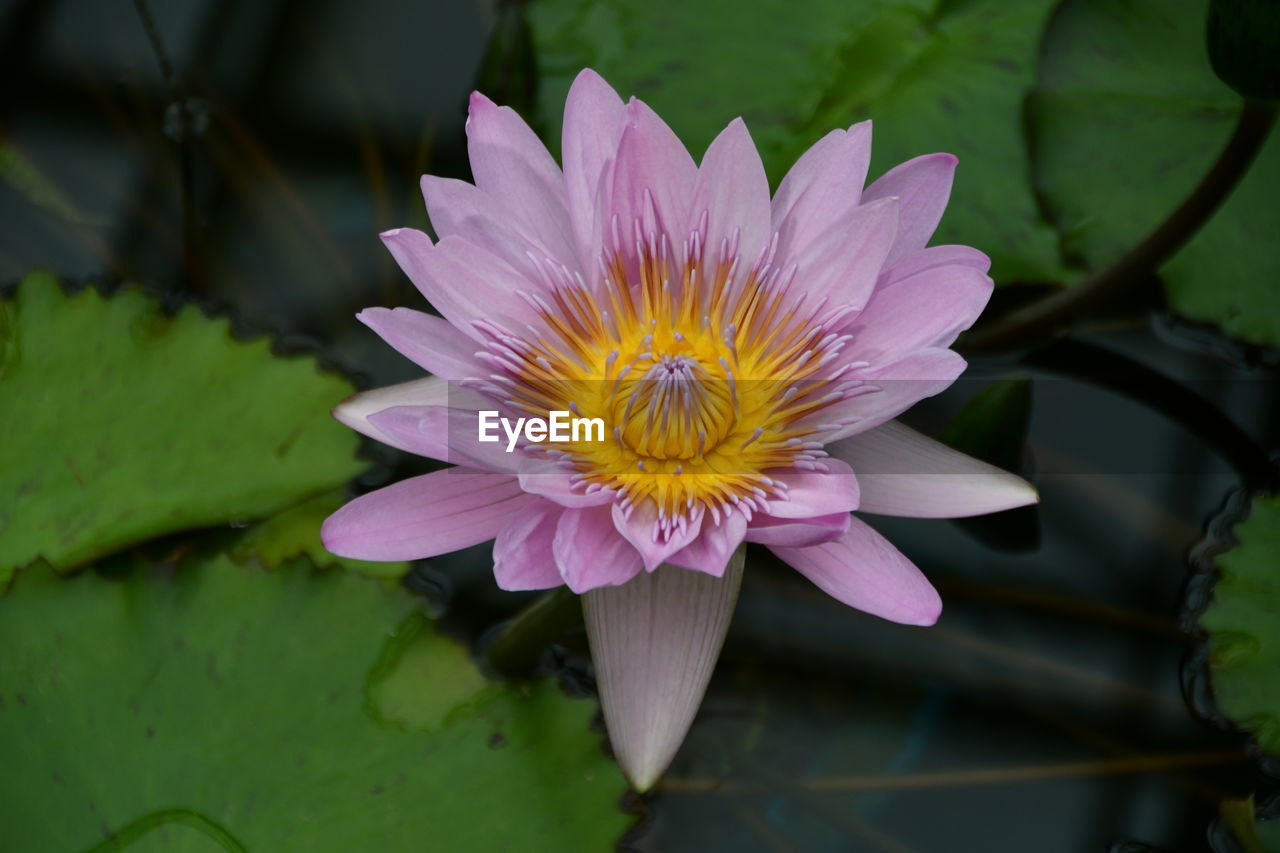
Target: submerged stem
[(1041, 317)]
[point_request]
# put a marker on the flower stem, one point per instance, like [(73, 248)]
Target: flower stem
[(517, 645), (1055, 311), (1175, 400), (186, 157)]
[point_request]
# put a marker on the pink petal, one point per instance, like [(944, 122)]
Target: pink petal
[(654, 642), (814, 493), (445, 433), (638, 528), (797, 532), (589, 551), (653, 180), (901, 384), (903, 472), (844, 262), (862, 569), (593, 120), (822, 188), (522, 553), (928, 309), (428, 341), (463, 282), (733, 191), (459, 209), (710, 552), (356, 410), (923, 186), (935, 256), (554, 482), (399, 427), (425, 516), (512, 165)]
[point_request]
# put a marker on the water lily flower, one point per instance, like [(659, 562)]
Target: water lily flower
[(745, 352)]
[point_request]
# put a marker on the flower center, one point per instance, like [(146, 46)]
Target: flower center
[(674, 409), (707, 378)]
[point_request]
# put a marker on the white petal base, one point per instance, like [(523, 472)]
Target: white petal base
[(655, 641)]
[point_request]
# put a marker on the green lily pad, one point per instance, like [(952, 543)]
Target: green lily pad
[(119, 424), (1126, 119), (1244, 626), (214, 706), (1269, 835), (935, 75), (296, 533)]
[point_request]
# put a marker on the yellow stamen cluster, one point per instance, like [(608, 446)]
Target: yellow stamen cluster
[(706, 378)]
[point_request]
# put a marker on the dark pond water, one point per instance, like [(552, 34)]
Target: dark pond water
[(1047, 711)]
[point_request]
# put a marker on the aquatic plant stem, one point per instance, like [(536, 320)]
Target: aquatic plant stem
[(514, 652), (191, 259), (1056, 311), (1175, 400)]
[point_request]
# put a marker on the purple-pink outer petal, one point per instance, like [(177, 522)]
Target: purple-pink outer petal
[(710, 552), (797, 532), (462, 281), (430, 342), (463, 210), (424, 516), (822, 187), (512, 165), (844, 261), (733, 192), (637, 527), (444, 433), (653, 180), (903, 472), (901, 384), (927, 309), (814, 493), (593, 120), (356, 410), (522, 554), (922, 186), (864, 570), (590, 553)]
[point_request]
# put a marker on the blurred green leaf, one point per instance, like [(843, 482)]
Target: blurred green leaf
[(993, 425), (1244, 626), (1126, 120), (935, 75), (218, 706), (296, 532), (509, 70), (118, 424)]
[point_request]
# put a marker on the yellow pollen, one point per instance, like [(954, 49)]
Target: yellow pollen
[(706, 378)]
